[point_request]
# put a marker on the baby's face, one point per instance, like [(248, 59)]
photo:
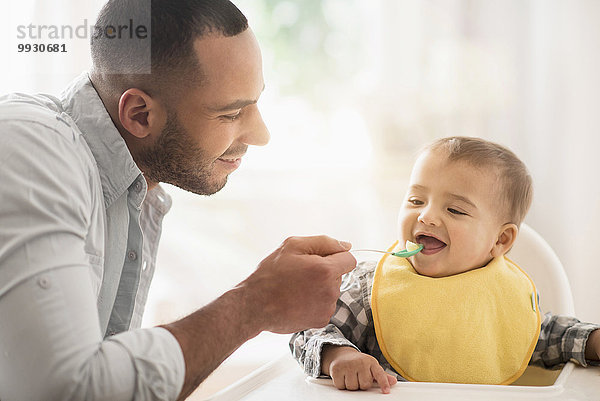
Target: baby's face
[(452, 208)]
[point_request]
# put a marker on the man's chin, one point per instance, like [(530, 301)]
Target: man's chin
[(199, 181), (202, 187)]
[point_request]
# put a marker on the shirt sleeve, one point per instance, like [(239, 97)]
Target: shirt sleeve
[(562, 339), (51, 345), (347, 326)]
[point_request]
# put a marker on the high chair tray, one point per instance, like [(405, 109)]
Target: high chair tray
[(283, 379)]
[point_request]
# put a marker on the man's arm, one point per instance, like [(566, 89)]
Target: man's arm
[(51, 344), (51, 347), (294, 288)]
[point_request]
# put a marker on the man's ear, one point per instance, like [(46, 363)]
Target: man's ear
[(140, 114), (505, 240)]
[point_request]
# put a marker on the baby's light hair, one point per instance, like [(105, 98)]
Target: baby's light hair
[(516, 183)]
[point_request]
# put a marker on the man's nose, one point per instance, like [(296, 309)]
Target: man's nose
[(429, 216), (255, 132)]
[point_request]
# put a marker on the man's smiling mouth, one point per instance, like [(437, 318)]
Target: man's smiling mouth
[(230, 163)]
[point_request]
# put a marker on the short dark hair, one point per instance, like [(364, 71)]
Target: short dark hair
[(173, 27), (516, 185)]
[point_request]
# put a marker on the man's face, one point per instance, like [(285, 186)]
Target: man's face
[(452, 209), (204, 140)]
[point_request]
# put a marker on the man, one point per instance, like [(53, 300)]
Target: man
[(81, 210)]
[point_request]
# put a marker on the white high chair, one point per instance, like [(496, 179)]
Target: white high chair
[(535, 256), (283, 379)]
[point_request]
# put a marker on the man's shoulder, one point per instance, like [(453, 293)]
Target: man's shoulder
[(38, 118), (25, 107), (35, 130)]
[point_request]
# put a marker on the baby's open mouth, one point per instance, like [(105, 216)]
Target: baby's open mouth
[(430, 244)]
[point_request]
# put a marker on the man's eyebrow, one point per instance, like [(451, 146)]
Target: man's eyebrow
[(463, 199), (236, 104)]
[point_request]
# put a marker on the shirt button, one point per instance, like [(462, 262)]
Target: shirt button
[(132, 255), (63, 120), (137, 186), (44, 282)]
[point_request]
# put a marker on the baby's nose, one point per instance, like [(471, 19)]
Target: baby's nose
[(429, 217)]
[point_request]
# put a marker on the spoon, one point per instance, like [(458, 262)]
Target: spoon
[(411, 249)]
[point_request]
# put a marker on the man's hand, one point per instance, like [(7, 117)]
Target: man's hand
[(294, 288), (592, 347), (353, 370), (297, 286)]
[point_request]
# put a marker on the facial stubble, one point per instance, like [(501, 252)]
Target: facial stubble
[(175, 159)]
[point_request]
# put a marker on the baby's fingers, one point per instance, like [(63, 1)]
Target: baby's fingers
[(381, 378), (351, 380), (339, 381), (365, 378)]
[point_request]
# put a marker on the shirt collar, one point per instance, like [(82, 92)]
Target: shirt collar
[(115, 164)]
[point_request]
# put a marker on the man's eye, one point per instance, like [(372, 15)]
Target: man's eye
[(458, 212), (231, 117)]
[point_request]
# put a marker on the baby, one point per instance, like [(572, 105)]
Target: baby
[(466, 200)]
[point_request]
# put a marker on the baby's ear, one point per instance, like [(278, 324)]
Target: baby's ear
[(505, 240)]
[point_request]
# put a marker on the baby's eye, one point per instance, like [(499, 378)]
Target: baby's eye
[(415, 202), (458, 212)]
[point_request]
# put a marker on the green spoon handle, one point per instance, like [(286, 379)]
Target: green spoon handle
[(407, 254), (401, 254)]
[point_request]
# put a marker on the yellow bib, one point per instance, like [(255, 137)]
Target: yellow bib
[(480, 326)]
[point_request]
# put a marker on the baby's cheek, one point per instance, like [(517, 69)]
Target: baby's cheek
[(466, 246), (405, 223)]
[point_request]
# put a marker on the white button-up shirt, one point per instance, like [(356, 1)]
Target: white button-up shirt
[(78, 238)]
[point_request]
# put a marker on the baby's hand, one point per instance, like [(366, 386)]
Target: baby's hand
[(592, 347), (353, 370)]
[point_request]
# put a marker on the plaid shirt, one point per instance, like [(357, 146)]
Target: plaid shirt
[(562, 338)]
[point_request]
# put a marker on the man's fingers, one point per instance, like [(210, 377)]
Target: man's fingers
[(343, 262), (381, 378), (321, 245)]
